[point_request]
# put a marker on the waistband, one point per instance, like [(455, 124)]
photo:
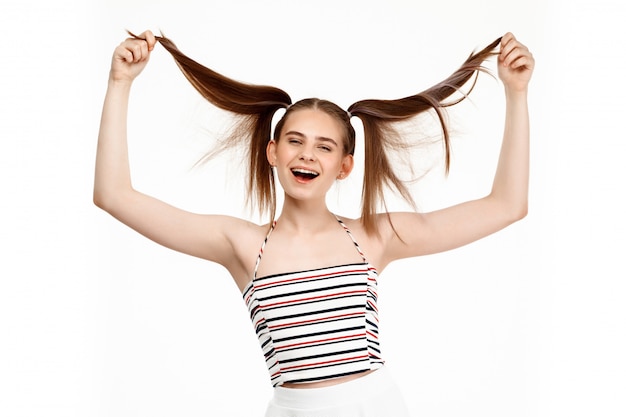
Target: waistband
[(370, 385)]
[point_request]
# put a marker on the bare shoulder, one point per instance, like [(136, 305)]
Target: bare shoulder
[(245, 239), (398, 235), (372, 244)]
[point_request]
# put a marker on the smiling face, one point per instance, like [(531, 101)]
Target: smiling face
[(309, 154)]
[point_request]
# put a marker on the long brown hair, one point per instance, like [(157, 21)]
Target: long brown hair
[(254, 107), (380, 136)]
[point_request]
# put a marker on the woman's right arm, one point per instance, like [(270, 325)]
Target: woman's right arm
[(204, 236)]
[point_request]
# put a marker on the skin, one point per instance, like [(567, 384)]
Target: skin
[(310, 140)]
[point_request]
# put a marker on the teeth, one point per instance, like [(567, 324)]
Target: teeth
[(304, 171)]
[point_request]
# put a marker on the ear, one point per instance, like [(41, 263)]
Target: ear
[(346, 167), (270, 152)]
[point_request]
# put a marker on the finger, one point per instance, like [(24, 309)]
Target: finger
[(146, 36), (520, 52), (511, 52), (139, 50), (506, 38), (507, 49), (145, 50), (524, 61), (150, 39), (130, 51), (507, 44), (508, 56), (124, 54)]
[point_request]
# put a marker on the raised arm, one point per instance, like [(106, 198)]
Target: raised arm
[(112, 180), (208, 237), (426, 233)]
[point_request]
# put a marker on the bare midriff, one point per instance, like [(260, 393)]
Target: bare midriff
[(328, 382)]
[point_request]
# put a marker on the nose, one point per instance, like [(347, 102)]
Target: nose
[(306, 155)]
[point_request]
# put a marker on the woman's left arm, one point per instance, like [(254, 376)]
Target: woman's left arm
[(441, 230), (510, 184)]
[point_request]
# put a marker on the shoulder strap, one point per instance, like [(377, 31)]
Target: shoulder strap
[(258, 259), (356, 245)]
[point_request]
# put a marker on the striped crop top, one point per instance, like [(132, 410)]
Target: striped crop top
[(317, 324)]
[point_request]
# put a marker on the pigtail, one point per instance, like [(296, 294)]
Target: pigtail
[(224, 92), (378, 118), (253, 107)]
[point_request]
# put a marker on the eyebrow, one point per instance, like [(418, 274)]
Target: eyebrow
[(319, 138)]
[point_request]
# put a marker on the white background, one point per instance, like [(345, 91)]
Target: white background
[(97, 321)]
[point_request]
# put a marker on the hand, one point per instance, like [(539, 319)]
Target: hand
[(515, 64), (131, 57)]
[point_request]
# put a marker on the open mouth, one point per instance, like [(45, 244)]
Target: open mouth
[(304, 174)]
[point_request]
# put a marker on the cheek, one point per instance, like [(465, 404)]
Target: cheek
[(283, 154), (278, 151)]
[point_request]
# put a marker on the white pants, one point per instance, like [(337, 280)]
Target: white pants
[(373, 395)]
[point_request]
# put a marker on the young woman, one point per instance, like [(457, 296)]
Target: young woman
[(308, 278)]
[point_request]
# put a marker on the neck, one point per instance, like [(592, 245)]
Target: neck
[(305, 217)]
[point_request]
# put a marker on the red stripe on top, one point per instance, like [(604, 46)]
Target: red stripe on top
[(308, 277), (374, 336), (319, 297), (325, 318)]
